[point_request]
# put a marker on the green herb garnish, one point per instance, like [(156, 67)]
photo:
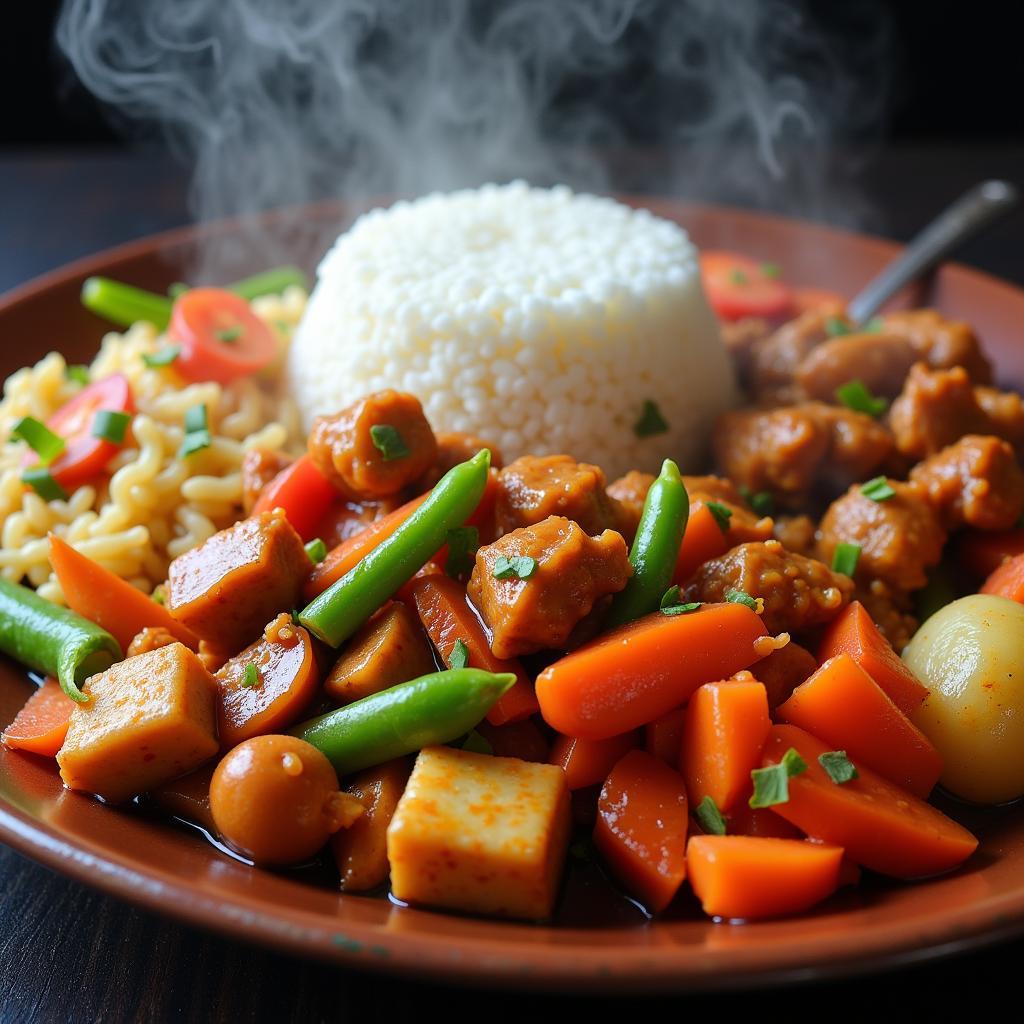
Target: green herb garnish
[(722, 514), (196, 418), (162, 356), (854, 394), (79, 374), (874, 326), (317, 551), (761, 502), (40, 480), (738, 276), (845, 557), (388, 441), (651, 421), (40, 438), (741, 597), (877, 489), (197, 433), (459, 658), (710, 817), (771, 784), (835, 328), (771, 270), (671, 597), (110, 425), (522, 566), (463, 542), (680, 609), (229, 335), (250, 676), (838, 767)]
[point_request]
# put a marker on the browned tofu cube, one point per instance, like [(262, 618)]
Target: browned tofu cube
[(390, 649), (230, 586), (148, 719)]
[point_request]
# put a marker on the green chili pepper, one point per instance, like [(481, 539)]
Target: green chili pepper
[(655, 549), (124, 304), (433, 709), (345, 605), (52, 639), (270, 282)]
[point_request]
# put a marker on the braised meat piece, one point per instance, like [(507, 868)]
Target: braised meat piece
[(535, 487), (376, 447), (891, 610), (630, 492), (775, 360), (1004, 412), (797, 533), (453, 448), (741, 337), (974, 482), (879, 361), (150, 638), (230, 586), (535, 606), (783, 671), (259, 467), (899, 537), (798, 592), (939, 342)]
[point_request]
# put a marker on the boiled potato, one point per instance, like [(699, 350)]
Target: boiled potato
[(970, 655)]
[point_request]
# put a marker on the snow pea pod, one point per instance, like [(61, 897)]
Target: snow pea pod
[(432, 709), (54, 640), (655, 548), (344, 606), (124, 304)]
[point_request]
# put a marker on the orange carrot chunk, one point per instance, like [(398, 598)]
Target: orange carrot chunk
[(752, 877), (41, 725), (843, 706), (1007, 580), (703, 539), (109, 601), (643, 670), (880, 826), (588, 762), (725, 728), (641, 828), (853, 632), (664, 736)]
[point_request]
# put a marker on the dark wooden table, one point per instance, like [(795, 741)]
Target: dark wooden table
[(69, 953)]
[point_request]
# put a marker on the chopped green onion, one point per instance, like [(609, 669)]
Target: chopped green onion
[(124, 304), (651, 421), (270, 282), (388, 441), (771, 270), (741, 597), (680, 609), (229, 334), (40, 438), (463, 542), (110, 425), (459, 657), (250, 676), (710, 817), (834, 327), (162, 356), (845, 558), (771, 784), (158, 595), (722, 514), (195, 442), (838, 767), (196, 418), (79, 374), (855, 394), (521, 566), (40, 480), (877, 489), (737, 276), (317, 551), (477, 744), (671, 597), (761, 502), (874, 326)]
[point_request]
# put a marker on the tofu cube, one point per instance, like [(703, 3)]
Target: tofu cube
[(148, 719), (480, 833)]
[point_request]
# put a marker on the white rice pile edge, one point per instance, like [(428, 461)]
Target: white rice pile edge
[(538, 319)]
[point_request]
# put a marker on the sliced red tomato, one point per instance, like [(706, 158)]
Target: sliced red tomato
[(84, 456), (220, 337), (738, 286), (304, 493)]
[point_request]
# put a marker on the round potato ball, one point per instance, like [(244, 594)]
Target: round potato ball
[(276, 800), (970, 655)]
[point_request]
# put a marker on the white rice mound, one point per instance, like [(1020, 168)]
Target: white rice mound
[(537, 319)]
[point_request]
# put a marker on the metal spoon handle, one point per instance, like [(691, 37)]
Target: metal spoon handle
[(969, 214)]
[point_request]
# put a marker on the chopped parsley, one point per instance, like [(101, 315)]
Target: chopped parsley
[(877, 489), (742, 597), (845, 558), (250, 676), (463, 542), (162, 356), (317, 551), (40, 438), (761, 502), (388, 441), (459, 658), (196, 418), (79, 374), (835, 328), (197, 432), (838, 767), (722, 514), (110, 425), (710, 817), (771, 784), (521, 566), (229, 335), (651, 421), (855, 395), (771, 270), (41, 481), (671, 605)]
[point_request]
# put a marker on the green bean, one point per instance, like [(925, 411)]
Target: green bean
[(655, 549), (123, 304), (270, 282), (433, 709), (345, 605), (54, 640)]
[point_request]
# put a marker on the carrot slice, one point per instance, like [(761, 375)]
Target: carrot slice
[(725, 728), (704, 539), (842, 705), (853, 632), (109, 601), (588, 762), (664, 736), (641, 828), (1007, 580), (41, 725), (643, 670), (980, 552), (751, 877), (880, 826), (448, 617)]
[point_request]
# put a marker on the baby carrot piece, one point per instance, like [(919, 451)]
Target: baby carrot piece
[(1007, 580), (880, 826), (725, 728), (448, 618), (588, 762), (664, 736), (645, 669), (751, 877), (106, 599), (42, 724), (843, 706), (703, 539), (853, 632), (641, 828)]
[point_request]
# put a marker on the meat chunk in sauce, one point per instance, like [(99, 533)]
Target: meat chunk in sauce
[(150, 638), (741, 339), (259, 467), (453, 448), (798, 592), (899, 538), (572, 571), (742, 524), (376, 447), (891, 610), (775, 360), (1004, 414), (940, 342), (974, 482), (230, 586), (535, 487), (797, 533), (629, 493), (879, 361), (790, 450)]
